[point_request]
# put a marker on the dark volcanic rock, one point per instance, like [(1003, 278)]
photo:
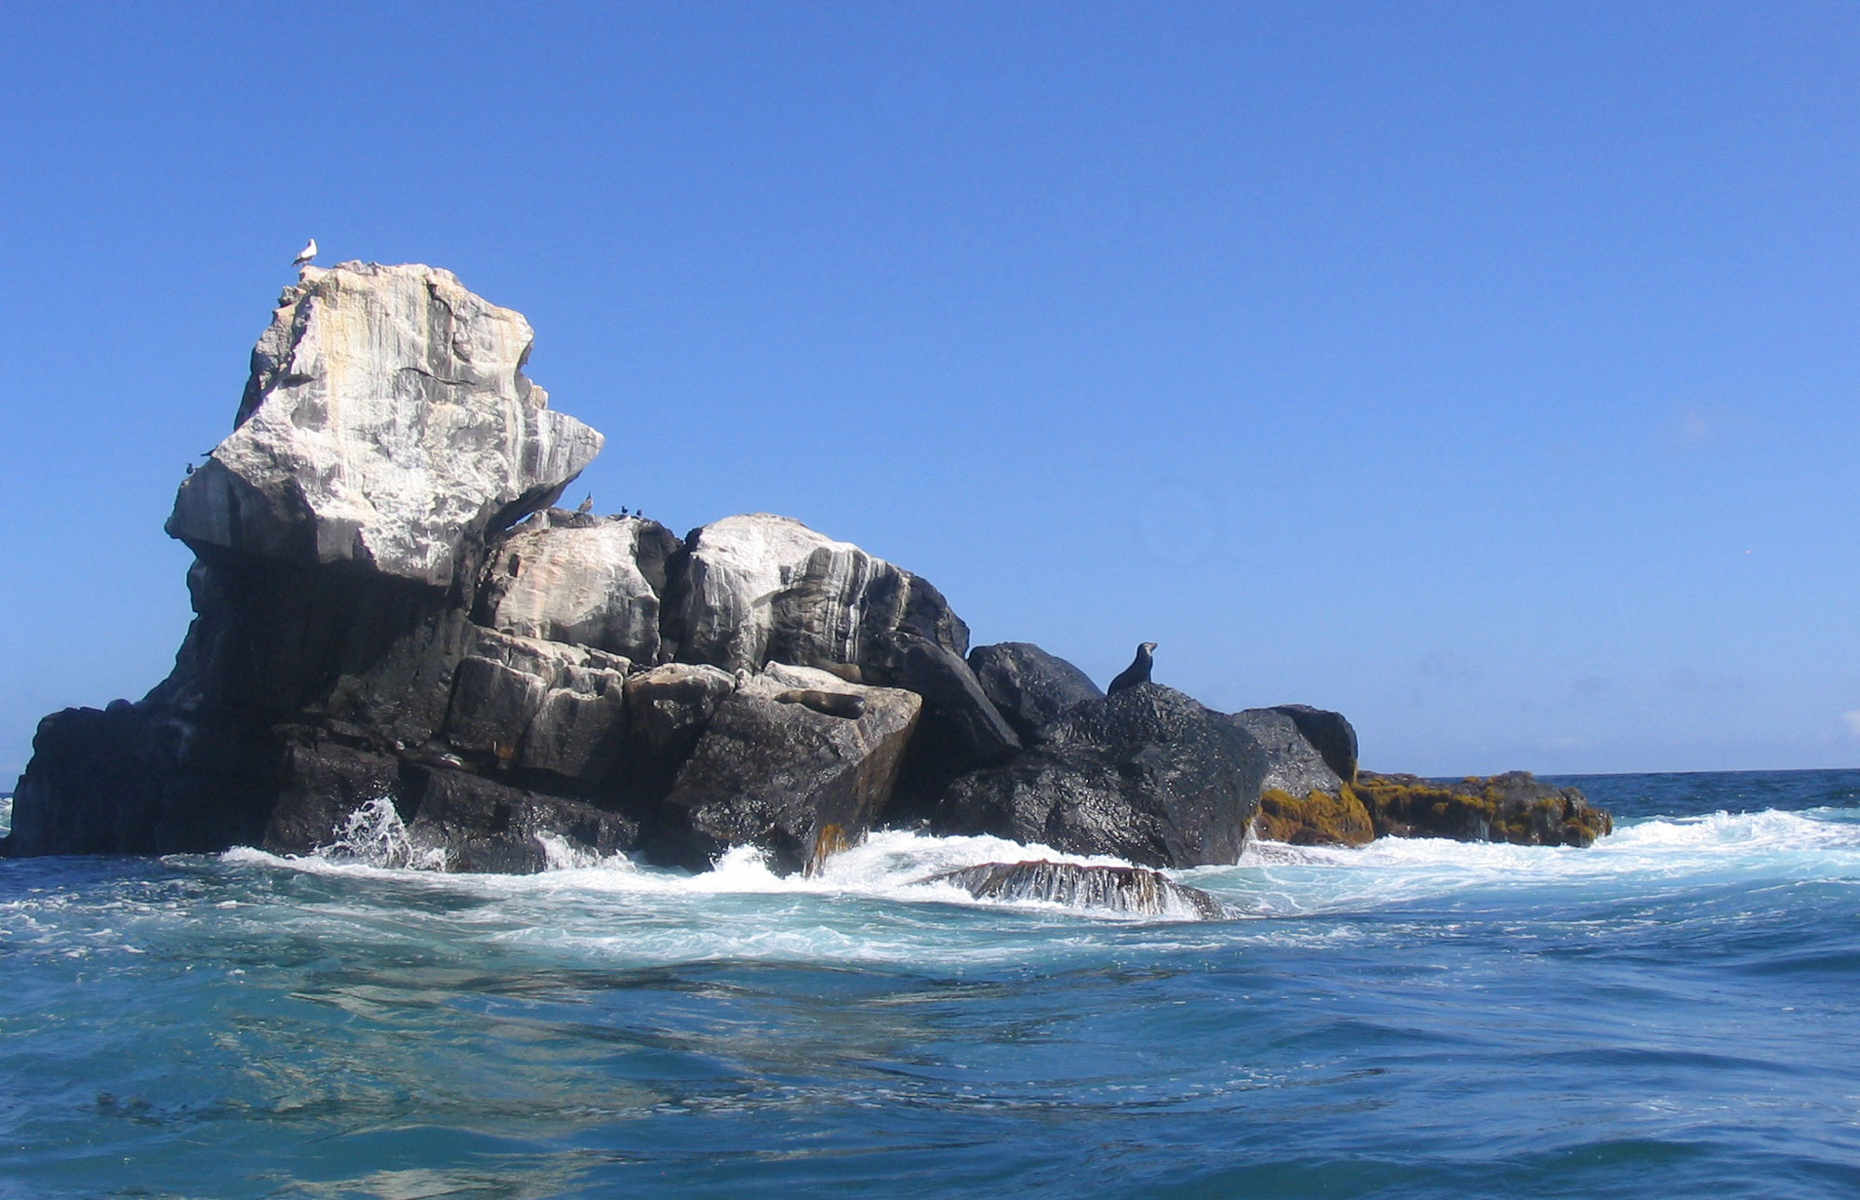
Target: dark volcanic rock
[(1293, 764), (960, 729), (1115, 889), (1515, 807), (797, 783), (1147, 775), (1330, 733), (134, 780), (668, 709), (759, 588), (1029, 686), (474, 824), (321, 784)]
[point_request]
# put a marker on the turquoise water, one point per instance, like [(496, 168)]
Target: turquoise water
[(1671, 1010)]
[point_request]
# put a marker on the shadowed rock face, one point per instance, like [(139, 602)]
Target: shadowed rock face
[(387, 424), (798, 783), (1131, 890)]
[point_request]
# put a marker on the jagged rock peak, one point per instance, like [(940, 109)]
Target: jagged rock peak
[(386, 425)]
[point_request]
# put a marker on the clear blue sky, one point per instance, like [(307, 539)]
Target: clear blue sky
[(1489, 372)]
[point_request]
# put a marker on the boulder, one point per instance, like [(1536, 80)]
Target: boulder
[(1147, 775), (539, 706), (798, 783), (468, 823), (668, 709), (1029, 686), (1293, 764), (1332, 736), (577, 578), (1515, 807), (324, 782), (755, 589), (758, 588), (1132, 890), (386, 426)]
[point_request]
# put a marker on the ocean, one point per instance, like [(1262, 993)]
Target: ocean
[(1672, 1011)]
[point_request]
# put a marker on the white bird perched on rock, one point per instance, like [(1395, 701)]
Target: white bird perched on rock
[(306, 254)]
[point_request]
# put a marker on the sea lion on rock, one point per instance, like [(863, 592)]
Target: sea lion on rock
[(832, 704), (1137, 672)]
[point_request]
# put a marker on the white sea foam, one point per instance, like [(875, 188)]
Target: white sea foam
[(872, 903)]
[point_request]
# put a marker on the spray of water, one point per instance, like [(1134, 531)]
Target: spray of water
[(374, 835)]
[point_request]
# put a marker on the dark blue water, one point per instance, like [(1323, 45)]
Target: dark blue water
[(1670, 1011)]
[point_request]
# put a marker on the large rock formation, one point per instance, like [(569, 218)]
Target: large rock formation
[(381, 639), (387, 423)]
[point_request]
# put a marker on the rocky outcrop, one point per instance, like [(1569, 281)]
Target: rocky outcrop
[(1515, 807), (575, 577), (387, 424), (379, 643), (1147, 775), (1127, 890), (1029, 686), (798, 783)]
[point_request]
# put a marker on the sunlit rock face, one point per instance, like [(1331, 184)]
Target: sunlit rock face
[(761, 587), (387, 424), (596, 581)]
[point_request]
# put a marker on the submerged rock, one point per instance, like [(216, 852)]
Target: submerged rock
[(1116, 889)]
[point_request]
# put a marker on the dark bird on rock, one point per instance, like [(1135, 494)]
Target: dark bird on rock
[(190, 468), (586, 505), (1137, 672)]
